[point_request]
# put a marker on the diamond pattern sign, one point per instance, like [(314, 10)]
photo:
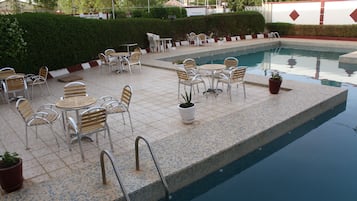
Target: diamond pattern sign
[(354, 15), (294, 15)]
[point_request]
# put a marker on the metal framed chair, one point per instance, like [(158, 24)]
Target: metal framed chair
[(202, 39), (192, 38), (107, 60), (38, 80), (236, 76), (7, 69), (133, 60), (13, 84), (113, 106), (186, 80), (75, 89), (190, 66), (107, 52), (92, 120), (45, 115), (231, 62), (72, 89)]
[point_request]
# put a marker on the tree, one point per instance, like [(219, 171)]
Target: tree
[(47, 4)]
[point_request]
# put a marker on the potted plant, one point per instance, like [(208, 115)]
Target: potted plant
[(10, 172), (275, 82), (187, 108)]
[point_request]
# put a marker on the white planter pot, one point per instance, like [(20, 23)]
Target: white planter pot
[(187, 114)]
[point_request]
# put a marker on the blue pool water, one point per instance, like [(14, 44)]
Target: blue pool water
[(317, 161)]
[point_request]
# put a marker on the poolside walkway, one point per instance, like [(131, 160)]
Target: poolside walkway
[(58, 174)]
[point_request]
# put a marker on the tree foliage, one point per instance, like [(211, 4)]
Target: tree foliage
[(12, 44), (48, 4)]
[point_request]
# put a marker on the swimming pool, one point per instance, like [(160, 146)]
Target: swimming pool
[(314, 162)]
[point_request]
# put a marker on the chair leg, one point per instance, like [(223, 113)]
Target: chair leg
[(54, 135), (122, 115), (7, 98), (36, 132), (131, 124), (80, 146), (27, 94), (48, 89), (110, 138), (178, 91), (229, 88), (27, 139), (31, 92), (68, 138), (129, 66), (244, 90)]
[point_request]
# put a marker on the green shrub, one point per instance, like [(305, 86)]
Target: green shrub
[(59, 41), (12, 46)]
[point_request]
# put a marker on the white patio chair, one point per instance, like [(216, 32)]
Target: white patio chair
[(45, 115), (92, 120), (114, 106), (186, 80), (14, 84), (236, 76), (38, 80), (109, 61), (153, 42), (133, 60)]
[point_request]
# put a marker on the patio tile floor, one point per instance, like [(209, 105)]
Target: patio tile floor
[(153, 109)]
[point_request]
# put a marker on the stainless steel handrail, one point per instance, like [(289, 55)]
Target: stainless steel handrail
[(111, 158), (167, 193)]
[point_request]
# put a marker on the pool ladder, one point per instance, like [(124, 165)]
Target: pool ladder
[(111, 158), (163, 180)]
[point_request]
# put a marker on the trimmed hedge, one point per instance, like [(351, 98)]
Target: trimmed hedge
[(286, 29), (59, 41)]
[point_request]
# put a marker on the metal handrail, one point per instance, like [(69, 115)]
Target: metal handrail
[(111, 158), (155, 162)]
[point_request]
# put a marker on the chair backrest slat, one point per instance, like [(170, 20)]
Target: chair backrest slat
[(25, 109), (94, 117), (7, 73), (43, 72), (126, 95), (238, 73), (182, 75), (7, 69), (231, 62), (189, 63), (15, 82), (74, 89), (135, 57), (107, 52)]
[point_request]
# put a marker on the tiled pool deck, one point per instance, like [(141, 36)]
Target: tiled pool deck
[(223, 130)]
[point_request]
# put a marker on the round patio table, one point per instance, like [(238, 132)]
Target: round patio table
[(212, 68)]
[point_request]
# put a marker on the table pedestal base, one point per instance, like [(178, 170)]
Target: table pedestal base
[(75, 138), (213, 91)]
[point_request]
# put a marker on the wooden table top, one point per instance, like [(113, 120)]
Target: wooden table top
[(76, 102), (212, 67)]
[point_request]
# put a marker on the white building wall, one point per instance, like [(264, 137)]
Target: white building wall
[(339, 13), (309, 12), (195, 11), (334, 12)]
